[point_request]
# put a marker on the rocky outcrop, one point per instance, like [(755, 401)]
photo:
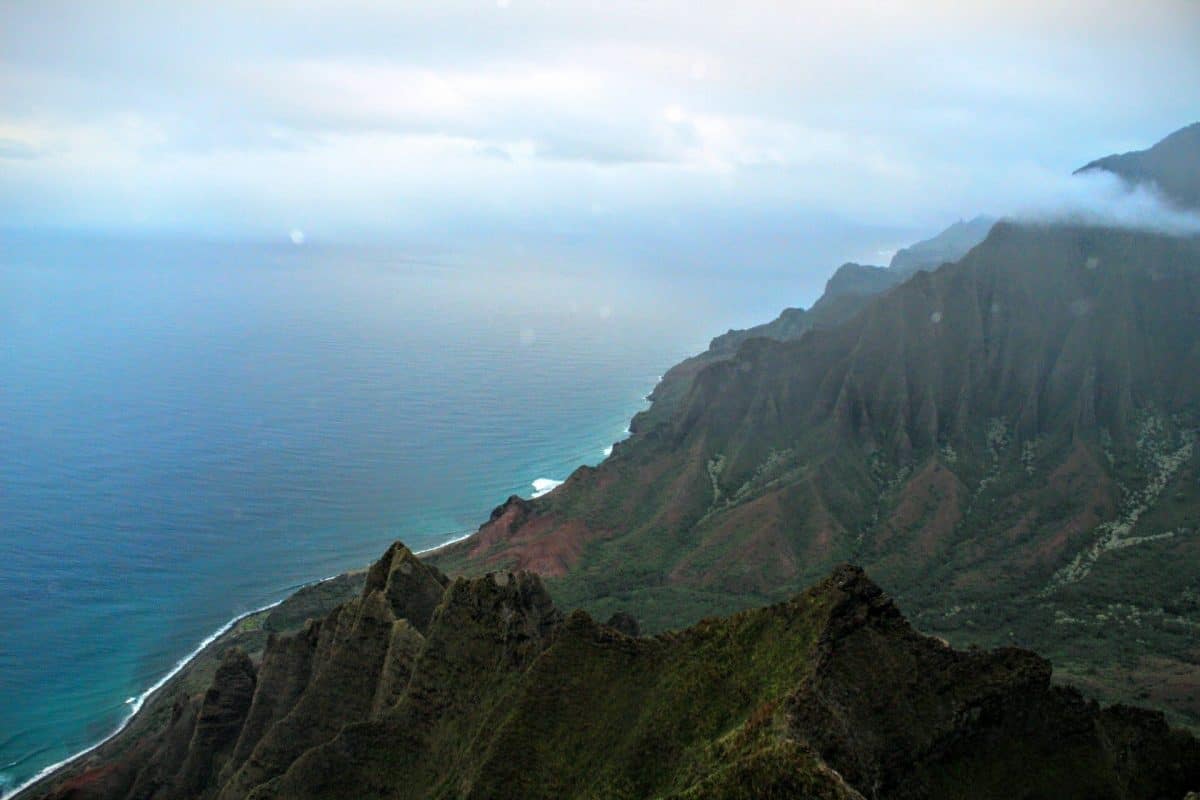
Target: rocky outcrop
[(901, 715), (483, 635), (146, 758), (283, 676), (403, 648), (219, 722), (624, 622), (358, 652)]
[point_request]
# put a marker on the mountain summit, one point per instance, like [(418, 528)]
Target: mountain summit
[(949, 245)]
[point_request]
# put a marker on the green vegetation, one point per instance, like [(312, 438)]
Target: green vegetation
[(494, 694), (1022, 470), (641, 718)]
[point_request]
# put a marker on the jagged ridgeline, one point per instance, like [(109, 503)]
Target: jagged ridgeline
[(480, 688), (1007, 443)]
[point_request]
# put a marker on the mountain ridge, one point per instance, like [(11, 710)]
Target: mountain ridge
[(999, 417), (848, 291), (829, 694)]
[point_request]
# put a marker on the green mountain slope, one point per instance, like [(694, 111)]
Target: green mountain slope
[(1006, 443), (492, 693)]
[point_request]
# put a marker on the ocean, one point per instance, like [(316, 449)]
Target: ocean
[(189, 431)]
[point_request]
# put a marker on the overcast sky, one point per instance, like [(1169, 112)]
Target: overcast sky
[(744, 127)]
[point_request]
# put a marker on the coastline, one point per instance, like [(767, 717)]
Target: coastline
[(445, 544), (140, 701)]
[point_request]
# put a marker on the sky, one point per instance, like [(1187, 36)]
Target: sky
[(703, 133)]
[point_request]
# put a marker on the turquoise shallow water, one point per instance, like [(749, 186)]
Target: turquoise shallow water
[(189, 432)]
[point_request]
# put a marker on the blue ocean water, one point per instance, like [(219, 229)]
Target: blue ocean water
[(190, 431)]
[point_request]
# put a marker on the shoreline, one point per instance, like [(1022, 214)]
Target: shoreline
[(139, 701), (445, 544)]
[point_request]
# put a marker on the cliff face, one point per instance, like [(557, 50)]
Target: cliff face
[(847, 292), (491, 693), (1008, 443)]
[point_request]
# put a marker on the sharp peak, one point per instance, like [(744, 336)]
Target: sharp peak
[(396, 554), (849, 580), (853, 600)]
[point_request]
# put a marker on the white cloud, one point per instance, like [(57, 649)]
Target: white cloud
[(1100, 198), (464, 117)]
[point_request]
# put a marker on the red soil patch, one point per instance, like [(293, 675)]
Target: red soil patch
[(521, 539), (821, 527), (497, 531), (754, 546), (1079, 476), (687, 489), (92, 783), (932, 499), (1024, 524)]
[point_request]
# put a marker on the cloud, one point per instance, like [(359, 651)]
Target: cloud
[(1099, 198), (564, 111), (741, 127)]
